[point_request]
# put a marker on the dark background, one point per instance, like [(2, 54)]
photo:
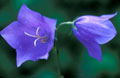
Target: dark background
[(74, 58)]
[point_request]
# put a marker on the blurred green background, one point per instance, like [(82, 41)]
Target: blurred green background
[(74, 58)]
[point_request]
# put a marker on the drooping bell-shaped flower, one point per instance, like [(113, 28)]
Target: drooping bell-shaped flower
[(92, 31), (32, 35)]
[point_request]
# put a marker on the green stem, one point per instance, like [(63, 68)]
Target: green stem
[(57, 48), (58, 59), (69, 22)]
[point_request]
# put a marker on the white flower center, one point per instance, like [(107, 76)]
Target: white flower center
[(37, 36)]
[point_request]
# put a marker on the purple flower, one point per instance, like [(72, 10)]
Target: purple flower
[(92, 31), (32, 35)]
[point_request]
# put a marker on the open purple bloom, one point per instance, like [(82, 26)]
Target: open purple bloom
[(92, 31), (32, 35)]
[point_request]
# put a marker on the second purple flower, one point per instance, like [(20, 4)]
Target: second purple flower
[(92, 31)]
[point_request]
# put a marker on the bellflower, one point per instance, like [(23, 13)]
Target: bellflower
[(32, 35), (92, 31)]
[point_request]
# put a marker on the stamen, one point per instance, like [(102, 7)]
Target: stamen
[(42, 39), (30, 35), (37, 30), (35, 42)]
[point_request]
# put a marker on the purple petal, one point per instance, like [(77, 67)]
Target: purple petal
[(93, 18), (107, 34), (52, 25), (108, 16), (51, 22), (29, 17), (93, 48), (21, 58), (99, 29), (11, 34), (32, 53)]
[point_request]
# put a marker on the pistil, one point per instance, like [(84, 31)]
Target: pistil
[(42, 39)]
